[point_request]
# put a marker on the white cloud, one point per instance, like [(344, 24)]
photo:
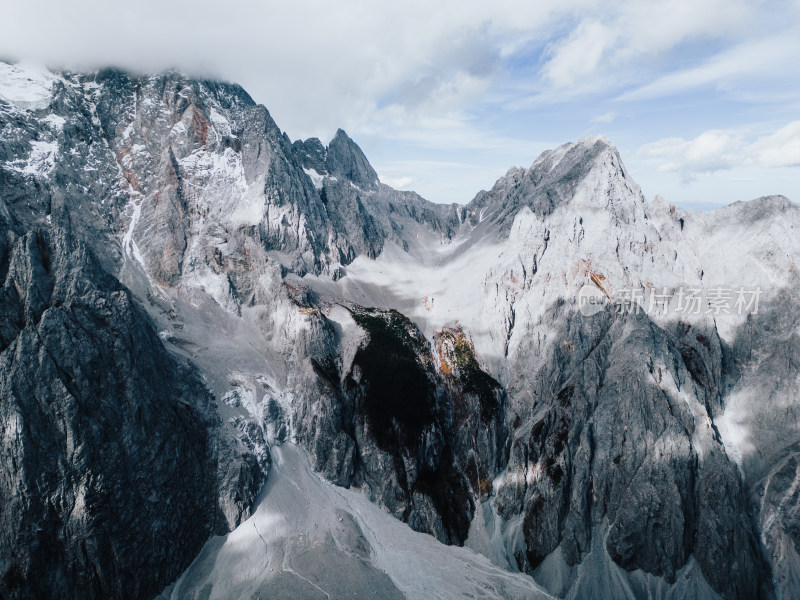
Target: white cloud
[(781, 149), (617, 39), (399, 183), (775, 57), (317, 65), (579, 56), (717, 150), (604, 118), (709, 152)]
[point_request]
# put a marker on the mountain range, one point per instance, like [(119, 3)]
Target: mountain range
[(237, 366)]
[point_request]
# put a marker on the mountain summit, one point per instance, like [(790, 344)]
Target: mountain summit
[(588, 172)]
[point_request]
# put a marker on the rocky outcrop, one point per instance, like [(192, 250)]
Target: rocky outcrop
[(420, 430)]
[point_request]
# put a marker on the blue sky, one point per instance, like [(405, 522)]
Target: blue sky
[(702, 97)]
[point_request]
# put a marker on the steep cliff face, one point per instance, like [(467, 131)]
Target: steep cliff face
[(109, 484), (618, 446), (431, 358), (589, 173), (116, 466)]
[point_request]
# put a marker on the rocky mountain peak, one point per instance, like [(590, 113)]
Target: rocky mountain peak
[(346, 159), (588, 173), (311, 154), (573, 162), (342, 159)]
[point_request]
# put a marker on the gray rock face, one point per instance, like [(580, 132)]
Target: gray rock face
[(614, 451), (359, 204), (311, 154), (108, 464), (133, 167), (346, 160)]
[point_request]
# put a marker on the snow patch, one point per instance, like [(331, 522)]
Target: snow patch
[(220, 123), (734, 426), (128, 243), (40, 162), (316, 178), (27, 87), (55, 122)]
